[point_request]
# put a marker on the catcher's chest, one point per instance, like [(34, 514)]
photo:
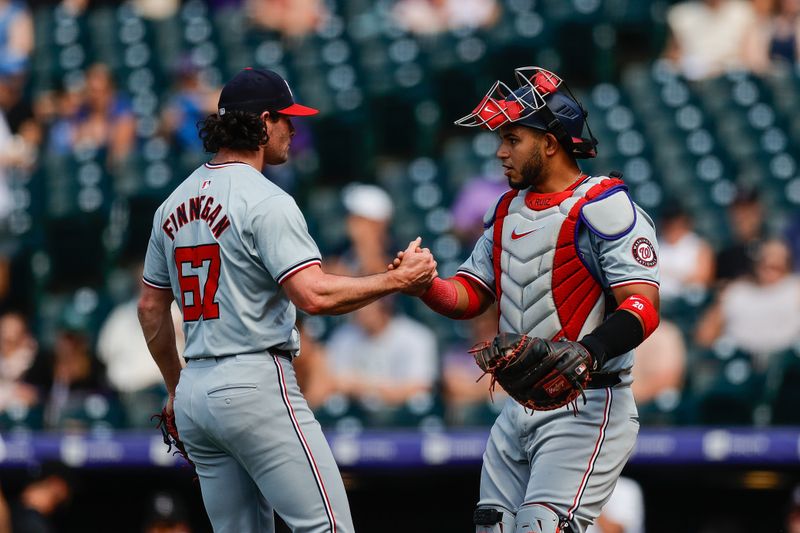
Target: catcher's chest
[(529, 243)]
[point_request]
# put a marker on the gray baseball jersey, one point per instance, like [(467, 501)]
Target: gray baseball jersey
[(223, 242), (552, 260)]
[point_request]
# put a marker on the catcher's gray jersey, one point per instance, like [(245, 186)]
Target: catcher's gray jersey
[(559, 256), (223, 242)]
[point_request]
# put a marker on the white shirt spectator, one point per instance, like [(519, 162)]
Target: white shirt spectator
[(122, 348), (679, 262), (710, 39), (403, 353), (625, 508), (762, 319)]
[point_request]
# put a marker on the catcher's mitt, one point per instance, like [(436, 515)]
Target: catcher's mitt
[(169, 432), (539, 374)]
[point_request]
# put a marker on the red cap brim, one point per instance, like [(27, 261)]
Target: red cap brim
[(297, 110)]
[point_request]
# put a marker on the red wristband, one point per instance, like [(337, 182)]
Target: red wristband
[(644, 309)]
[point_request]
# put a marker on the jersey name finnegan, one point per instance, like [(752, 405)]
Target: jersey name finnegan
[(199, 208)]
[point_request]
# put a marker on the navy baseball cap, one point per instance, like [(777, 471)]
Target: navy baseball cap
[(565, 109), (257, 90)]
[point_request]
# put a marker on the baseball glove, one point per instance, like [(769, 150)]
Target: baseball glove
[(539, 374), (169, 432)]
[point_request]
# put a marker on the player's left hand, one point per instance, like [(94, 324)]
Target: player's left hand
[(540, 374), (169, 431)]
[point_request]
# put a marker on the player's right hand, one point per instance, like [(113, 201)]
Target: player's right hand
[(415, 267)]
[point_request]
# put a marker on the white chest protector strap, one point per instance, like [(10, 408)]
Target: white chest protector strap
[(611, 215)]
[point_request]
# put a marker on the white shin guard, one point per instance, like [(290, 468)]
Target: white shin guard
[(538, 518)]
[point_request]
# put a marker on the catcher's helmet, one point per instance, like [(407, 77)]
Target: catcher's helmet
[(537, 103)]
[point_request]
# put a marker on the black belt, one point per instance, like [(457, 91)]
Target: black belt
[(601, 380), (273, 351)]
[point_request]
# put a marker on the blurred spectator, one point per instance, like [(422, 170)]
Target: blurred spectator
[(464, 395), (686, 259), (166, 514), (746, 216), (793, 513), (18, 351), (760, 315), (5, 515), (156, 9), (773, 39), (291, 18), (191, 101), (474, 198), (105, 120), (660, 364), (130, 369), (707, 36), (311, 367), (41, 499), (72, 379), (16, 37), (623, 512), (436, 16), (369, 248), (382, 358), (793, 239), (58, 110)]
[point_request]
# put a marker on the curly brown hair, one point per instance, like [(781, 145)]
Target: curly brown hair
[(236, 130)]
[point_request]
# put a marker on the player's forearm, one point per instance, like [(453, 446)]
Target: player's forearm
[(160, 336), (335, 295)]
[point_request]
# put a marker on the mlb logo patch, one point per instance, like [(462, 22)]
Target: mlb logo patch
[(205, 185)]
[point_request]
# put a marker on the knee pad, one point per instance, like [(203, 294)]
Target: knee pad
[(493, 520), (539, 518)]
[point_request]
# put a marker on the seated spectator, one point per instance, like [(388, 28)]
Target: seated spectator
[(71, 378), (436, 16), (130, 368), (465, 393), (191, 101), (382, 358), (793, 513), (5, 515), (369, 248), (291, 18), (18, 351), (686, 260), (312, 370), (660, 364), (51, 490), (105, 120), (760, 315), (773, 40), (474, 198), (746, 216), (166, 514), (16, 37), (707, 36), (624, 512)]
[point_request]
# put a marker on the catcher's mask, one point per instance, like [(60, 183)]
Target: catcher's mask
[(539, 103)]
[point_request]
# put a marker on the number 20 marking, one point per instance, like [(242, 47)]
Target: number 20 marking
[(203, 306)]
